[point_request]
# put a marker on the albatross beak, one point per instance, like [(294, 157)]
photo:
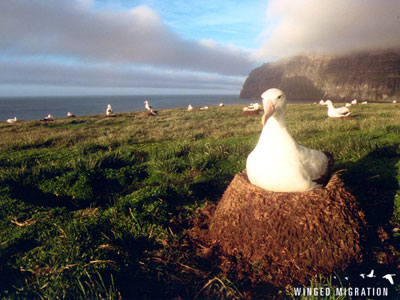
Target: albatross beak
[(269, 109)]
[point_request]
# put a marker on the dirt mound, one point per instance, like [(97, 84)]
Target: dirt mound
[(250, 112), (146, 114), (286, 238)]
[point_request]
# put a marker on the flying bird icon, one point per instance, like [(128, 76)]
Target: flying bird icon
[(389, 277), (362, 275), (371, 274)]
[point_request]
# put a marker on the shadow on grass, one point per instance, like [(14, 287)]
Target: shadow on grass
[(372, 180)]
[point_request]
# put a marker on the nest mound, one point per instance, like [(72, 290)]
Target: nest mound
[(146, 114), (250, 112), (286, 238)]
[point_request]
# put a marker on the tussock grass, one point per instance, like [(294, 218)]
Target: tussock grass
[(96, 207)]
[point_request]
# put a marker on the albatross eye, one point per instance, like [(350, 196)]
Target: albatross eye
[(280, 96)]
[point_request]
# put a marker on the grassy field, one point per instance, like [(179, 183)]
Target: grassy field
[(98, 208)]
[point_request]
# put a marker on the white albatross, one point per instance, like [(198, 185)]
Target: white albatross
[(13, 120), (109, 110), (278, 163), (190, 107), (339, 112), (252, 107), (147, 106)]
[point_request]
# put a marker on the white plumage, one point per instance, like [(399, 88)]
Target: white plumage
[(252, 107), (204, 108), (13, 120), (221, 105), (70, 115), (147, 106), (190, 108), (347, 105), (339, 112), (278, 163), (109, 110), (354, 102), (364, 102)]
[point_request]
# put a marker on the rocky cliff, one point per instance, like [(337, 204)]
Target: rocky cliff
[(364, 76)]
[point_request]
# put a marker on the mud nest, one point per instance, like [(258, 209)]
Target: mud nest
[(146, 114), (287, 238), (250, 112)]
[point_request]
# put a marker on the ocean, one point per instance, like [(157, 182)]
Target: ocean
[(35, 108)]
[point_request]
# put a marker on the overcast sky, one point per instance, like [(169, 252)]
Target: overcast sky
[(50, 47)]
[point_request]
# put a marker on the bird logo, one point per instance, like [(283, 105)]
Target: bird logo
[(389, 277), (371, 274)]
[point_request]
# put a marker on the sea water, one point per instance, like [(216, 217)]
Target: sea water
[(35, 108)]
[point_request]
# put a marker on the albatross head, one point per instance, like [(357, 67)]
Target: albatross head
[(274, 102)]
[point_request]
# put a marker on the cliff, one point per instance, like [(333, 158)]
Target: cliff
[(365, 76)]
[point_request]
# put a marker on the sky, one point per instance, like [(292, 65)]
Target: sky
[(123, 47)]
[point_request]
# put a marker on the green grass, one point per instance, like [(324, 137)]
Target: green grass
[(96, 208)]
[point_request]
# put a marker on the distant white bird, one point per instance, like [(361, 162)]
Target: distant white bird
[(252, 107), (221, 104), (354, 102), (69, 115), (394, 101), (109, 110), (336, 112), (347, 278), (12, 120), (389, 277), (371, 274), (190, 108), (364, 102), (147, 106), (347, 105), (204, 108), (48, 118), (255, 106), (362, 275), (321, 102)]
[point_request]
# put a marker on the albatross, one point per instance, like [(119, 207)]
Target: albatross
[(339, 112), (109, 110), (278, 163), (13, 120)]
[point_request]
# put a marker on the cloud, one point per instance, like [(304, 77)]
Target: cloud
[(74, 29), (298, 26), (111, 75)]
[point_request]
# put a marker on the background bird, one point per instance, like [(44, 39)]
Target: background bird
[(109, 110), (13, 120), (336, 112)]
